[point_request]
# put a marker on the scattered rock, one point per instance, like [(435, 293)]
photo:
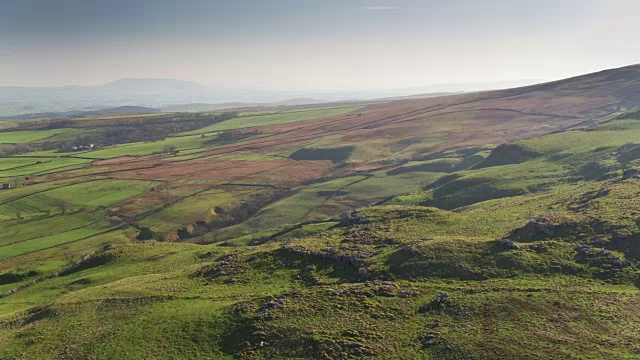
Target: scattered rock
[(438, 303), (429, 339), (594, 170), (352, 218), (600, 257), (602, 192), (544, 227), (508, 244), (631, 173), (600, 240)]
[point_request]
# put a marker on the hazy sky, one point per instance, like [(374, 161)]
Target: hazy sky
[(313, 44)]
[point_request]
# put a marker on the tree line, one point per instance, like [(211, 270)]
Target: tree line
[(127, 132)]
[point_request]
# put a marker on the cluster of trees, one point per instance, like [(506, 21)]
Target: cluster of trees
[(14, 149), (150, 131), (170, 150), (237, 134), (119, 132)]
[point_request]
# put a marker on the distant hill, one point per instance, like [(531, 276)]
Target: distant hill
[(150, 86), (121, 110), (418, 96), (299, 101), (203, 107), (124, 110), (123, 92), (156, 93), (166, 93)]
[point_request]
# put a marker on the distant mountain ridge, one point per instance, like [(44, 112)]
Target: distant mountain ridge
[(201, 107), (158, 93), (143, 86), (124, 92), (121, 110)]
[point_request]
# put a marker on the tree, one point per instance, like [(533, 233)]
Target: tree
[(14, 182), (63, 206), (170, 149)]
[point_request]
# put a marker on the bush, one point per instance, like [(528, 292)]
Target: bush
[(145, 234)]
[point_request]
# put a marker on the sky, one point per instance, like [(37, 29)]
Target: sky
[(320, 45)]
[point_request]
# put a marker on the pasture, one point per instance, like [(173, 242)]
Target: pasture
[(24, 166), (32, 245), (26, 136), (45, 216), (191, 208)]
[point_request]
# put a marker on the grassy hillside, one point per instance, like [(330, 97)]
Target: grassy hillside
[(392, 282), (540, 164), (493, 225)]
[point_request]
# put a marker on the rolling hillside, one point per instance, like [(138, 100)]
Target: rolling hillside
[(493, 225), (498, 280)]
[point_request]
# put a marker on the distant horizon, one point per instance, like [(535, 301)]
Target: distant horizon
[(530, 81), (523, 81), (195, 82)]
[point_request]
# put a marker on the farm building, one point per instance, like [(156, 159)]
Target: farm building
[(6, 186)]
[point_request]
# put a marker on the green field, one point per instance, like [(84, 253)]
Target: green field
[(100, 193), (189, 209), (40, 217), (85, 195), (145, 148), (38, 227), (19, 137), (16, 162), (49, 241), (22, 166)]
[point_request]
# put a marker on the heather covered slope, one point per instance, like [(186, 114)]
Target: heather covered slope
[(454, 122)]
